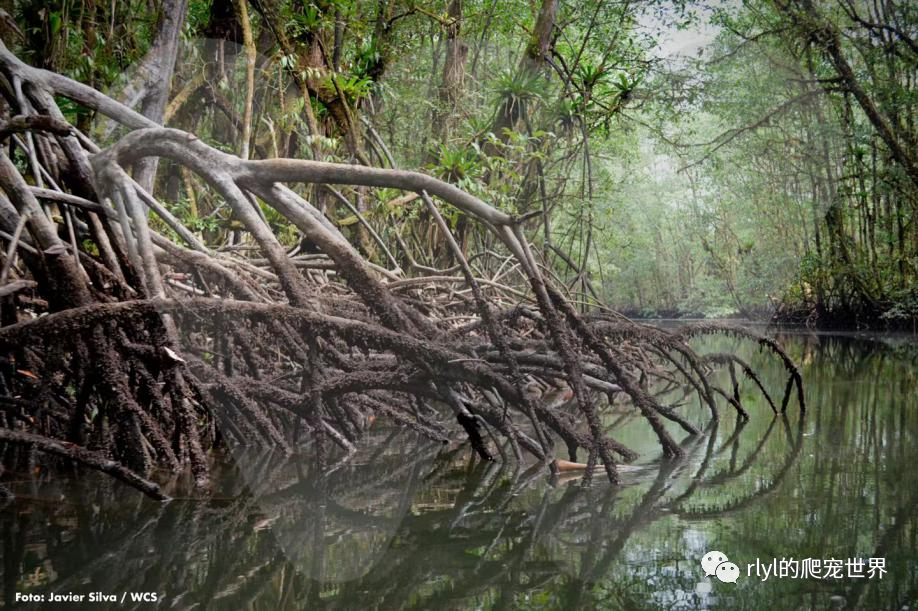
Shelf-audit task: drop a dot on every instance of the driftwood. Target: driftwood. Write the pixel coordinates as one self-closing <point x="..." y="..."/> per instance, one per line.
<point x="149" y="352"/>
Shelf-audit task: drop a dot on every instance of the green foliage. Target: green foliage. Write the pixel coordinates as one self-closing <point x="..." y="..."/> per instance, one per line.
<point x="355" y="87"/>
<point x="457" y="163"/>
<point x="516" y="88"/>
<point x="687" y="185"/>
<point x="904" y="308"/>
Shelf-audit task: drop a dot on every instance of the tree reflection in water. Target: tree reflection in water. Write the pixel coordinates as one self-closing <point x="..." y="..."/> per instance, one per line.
<point x="417" y="526"/>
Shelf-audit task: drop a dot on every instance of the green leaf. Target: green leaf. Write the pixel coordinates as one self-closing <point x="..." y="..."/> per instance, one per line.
<point x="54" y="22"/>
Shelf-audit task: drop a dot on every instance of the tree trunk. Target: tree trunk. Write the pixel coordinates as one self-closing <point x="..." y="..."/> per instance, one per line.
<point x="156" y="74"/>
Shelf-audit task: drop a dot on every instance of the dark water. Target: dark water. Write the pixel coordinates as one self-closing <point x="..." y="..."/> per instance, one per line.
<point x="418" y="526"/>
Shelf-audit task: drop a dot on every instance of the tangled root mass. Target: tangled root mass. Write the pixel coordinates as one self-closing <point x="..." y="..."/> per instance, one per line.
<point x="131" y="351"/>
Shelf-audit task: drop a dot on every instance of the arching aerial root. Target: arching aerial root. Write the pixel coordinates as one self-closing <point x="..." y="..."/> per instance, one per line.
<point x="129" y="352"/>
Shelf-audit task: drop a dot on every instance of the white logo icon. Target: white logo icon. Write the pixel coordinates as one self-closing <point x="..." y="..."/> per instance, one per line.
<point x="715" y="564"/>
<point x="727" y="572"/>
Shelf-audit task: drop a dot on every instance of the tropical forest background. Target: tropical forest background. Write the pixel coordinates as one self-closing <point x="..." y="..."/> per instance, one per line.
<point x="698" y="159"/>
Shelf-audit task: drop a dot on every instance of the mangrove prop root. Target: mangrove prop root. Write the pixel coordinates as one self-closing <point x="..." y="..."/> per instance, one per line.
<point x="124" y="350"/>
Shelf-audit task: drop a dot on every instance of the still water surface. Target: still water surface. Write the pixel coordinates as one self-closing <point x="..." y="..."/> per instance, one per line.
<point x="412" y="525"/>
